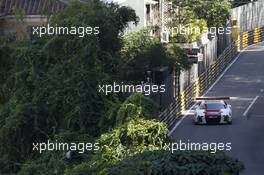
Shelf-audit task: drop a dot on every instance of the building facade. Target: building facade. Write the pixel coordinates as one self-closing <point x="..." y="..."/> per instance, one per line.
<point x="152" y="14"/>
<point x="17" y="17"/>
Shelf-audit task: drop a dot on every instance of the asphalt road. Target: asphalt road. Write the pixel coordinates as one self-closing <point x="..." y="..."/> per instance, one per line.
<point x="244" y="80"/>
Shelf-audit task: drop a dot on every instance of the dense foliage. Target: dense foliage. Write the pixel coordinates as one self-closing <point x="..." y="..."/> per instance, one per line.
<point x="4" y="67"/>
<point x="189" y="31"/>
<point x="199" y="14"/>
<point x="136" y="106"/>
<point x="141" y="53"/>
<point x="178" y="163"/>
<point x="49" y="163"/>
<point x="51" y="85"/>
<point x="136" y="136"/>
<point x="133" y="136"/>
<point x="216" y="12"/>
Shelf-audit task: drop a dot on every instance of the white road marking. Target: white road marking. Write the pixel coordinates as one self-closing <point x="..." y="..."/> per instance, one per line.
<point x="240" y="98"/>
<point x="180" y="121"/>
<point x="250" y="106"/>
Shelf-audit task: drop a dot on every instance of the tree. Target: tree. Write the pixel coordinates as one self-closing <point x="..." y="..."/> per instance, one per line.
<point x="142" y="52"/>
<point x="51" y="85"/>
<point x="135" y="136"/>
<point x="178" y="163"/>
<point x="216" y="13"/>
<point x="136" y="131"/>
<point x="188" y="32"/>
<point x="48" y="163"/>
<point x="135" y="106"/>
<point x="4" y="68"/>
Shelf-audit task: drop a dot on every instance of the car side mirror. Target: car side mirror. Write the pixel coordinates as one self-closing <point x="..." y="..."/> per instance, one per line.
<point x="229" y="106"/>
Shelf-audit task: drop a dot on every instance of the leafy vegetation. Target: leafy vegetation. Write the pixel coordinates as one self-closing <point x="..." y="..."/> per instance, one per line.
<point x="136" y="136"/>
<point x="50" y="86"/>
<point x="200" y="15"/>
<point x="216" y="13"/>
<point x="142" y="53"/>
<point x="49" y="163"/>
<point x="136" y="106"/>
<point x="178" y="163"/>
<point x="188" y="32"/>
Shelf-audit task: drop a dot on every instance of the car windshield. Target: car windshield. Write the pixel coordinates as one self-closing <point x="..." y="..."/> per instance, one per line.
<point x="215" y="106"/>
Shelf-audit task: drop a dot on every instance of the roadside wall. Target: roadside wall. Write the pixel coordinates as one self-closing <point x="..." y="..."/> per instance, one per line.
<point x="249" y="16"/>
<point x="210" y="50"/>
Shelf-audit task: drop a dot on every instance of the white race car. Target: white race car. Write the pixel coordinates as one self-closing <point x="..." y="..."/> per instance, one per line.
<point x="212" y="110"/>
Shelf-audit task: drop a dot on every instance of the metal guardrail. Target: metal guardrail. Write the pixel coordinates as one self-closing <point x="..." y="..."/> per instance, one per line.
<point x="206" y="79"/>
<point x="251" y="37"/>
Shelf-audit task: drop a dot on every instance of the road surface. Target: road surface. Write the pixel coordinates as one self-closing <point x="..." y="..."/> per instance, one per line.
<point x="244" y="80"/>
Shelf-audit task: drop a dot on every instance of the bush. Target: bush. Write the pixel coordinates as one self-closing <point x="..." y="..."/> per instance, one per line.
<point x="137" y="136"/>
<point x="137" y="105"/>
<point x="178" y="163"/>
<point x="191" y="31"/>
<point x="141" y="53"/>
<point x="49" y="163"/>
<point x="51" y="84"/>
<point x="4" y="68"/>
<point x="216" y="12"/>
